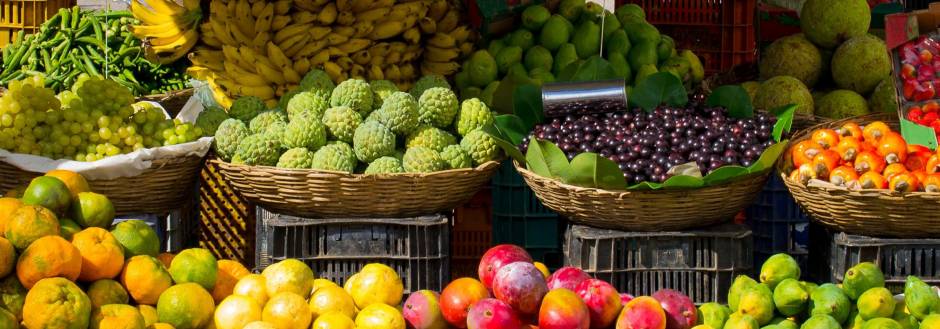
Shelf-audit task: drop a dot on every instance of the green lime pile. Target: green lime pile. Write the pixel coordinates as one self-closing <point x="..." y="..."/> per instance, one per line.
<point x="549" y="43"/>
<point x="360" y="127"/>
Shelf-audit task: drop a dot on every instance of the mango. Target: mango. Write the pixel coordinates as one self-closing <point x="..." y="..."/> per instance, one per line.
<point x="565" y="56"/>
<point x="555" y="33"/>
<point x="821" y="321"/>
<point x="642" y="53"/>
<point x="829" y="299"/>
<point x="757" y="301"/>
<point x="741" y="321"/>
<point x="533" y="17"/>
<point x="521" y="38"/>
<point x="790" y="297"/>
<point x="740" y="283"/>
<point x="620" y="66"/>
<point x="713" y="314"/>
<point x="881" y="323"/>
<point x="876" y="303"/>
<point x="538" y="57"/>
<point x="508" y="56"/>
<point x="587" y="39"/>
<point x="666" y="48"/>
<point x="617" y="43"/>
<point x="860" y="278"/>
<point x="642" y="32"/>
<point x="920" y="299"/>
<point x="777" y="268"/>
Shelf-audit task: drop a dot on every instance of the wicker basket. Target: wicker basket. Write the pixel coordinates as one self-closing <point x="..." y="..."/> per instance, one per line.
<point x="165" y="186"/>
<point x="172" y="101"/>
<point x="314" y="193"/>
<point x="881" y="213"/>
<point x="646" y="210"/>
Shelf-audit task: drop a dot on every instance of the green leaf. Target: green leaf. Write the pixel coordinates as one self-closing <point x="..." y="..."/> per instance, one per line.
<point x="592" y="69"/>
<point x="511" y="127"/>
<point x="645" y="186"/>
<point x="527" y="105"/>
<point x="503" y="142"/>
<point x="659" y="88"/>
<point x="724" y="174"/>
<point x="784" y="116"/>
<point x="547" y="160"/>
<point x="916" y="134"/>
<point x="592" y="170"/>
<point x="683" y="181"/>
<point x="768" y="157"/>
<point x="734" y="98"/>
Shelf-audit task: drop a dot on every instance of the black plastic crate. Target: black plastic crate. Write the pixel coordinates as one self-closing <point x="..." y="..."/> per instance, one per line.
<point x="512" y="197"/>
<point x="701" y="263"/>
<point x="897" y="258"/>
<point x="778" y="224"/>
<point x="417" y="248"/>
<point x="916" y="4"/>
<point x="520" y="218"/>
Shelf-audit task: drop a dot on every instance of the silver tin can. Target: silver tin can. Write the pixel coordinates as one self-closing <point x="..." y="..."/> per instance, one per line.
<point x="584" y="97"/>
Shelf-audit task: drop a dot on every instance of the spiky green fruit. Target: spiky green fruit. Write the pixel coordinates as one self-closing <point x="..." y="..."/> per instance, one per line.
<point x="430" y="137"/>
<point x="422" y="159"/>
<point x="354" y="93"/>
<point x="246" y="108"/>
<point x="474" y="114"/>
<point x="399" y="113"/>
<point x="341" y="122"/>
<point x="263" y="120"/>
<point x="319" y="82"/>
<point x="385" y="165"/>
<point x="258" y="150"/>
<point x="481" y="147"/>
<point x="228" y="136"/>
<point x="427" y="82"/>
<point x="373" y="140"/>
<point x="307" y="103"/>
<point x="209" y="120"/>
<point x="381" y="89"/>
<point x="437" y="106"/>
<point x="305" y="132"/>
<point x="337" y="156"/>
<point x="296" y="158"/>
<point x="456" y="157"/>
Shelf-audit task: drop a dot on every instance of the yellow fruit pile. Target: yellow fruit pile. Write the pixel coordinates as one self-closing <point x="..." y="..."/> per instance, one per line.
<point x="168" y="29"/>
<point x="263" y="49"/>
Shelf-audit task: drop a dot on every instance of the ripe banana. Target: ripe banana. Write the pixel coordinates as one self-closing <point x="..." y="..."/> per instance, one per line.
<point x="320" y="32"/>
<point x="271" y="73"/>
<point x="311" y="48"/>
<point x="211" y="59"/>
<point x="333" y="70"/>
<point x="407" y="72"/>
<point x="171" y="44"/>
<point x="387" y="29"/>
<point x="362" y="57"/>
<point x="373" y="15"/>
<point x="449" y="22"/>
<point x="392" y="72"/>
<point x="146" y="16"/>
<point x="162" y="30"/>
<point x="335" y="38"/>
<point x="441" y="55"/>
<point x="345" y="18"/>
<point x="257" y="7"/>
<point x="442" y="40"/>
<point x="166" y="7"/>
<point x="460" y="34"/>
<point x="412" y="35"/>
<point x="280" y="22"/>
<point x="346" y="31"/>
<point x="261" y="39"/>
<point x="428" y="25"/>
<point x="303" y="17"/>
<point x="328" y="14"/>
<point x="321" y="57"/>
<point x="302" y="65"/>
<point x="282" y="7"/>
<point x="439" y="68"/>
<point x="265" y="18"/>
<point x="290" y="31"/>
<point x="232" y="56"/>
<point x="277" y="56"/>
<point x="375" y="73"/>
<point x="296" y="47"/>
<point x="437" y="9"/>
<point x="363" y="29"/>
<point x="354" y="45"/>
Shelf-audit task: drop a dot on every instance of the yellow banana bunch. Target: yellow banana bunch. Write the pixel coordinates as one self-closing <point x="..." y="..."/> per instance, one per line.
<point x="169" y="29"/>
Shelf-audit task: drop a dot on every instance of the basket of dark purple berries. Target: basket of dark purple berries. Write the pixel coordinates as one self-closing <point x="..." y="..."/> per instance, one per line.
<point x="667" y="163"/>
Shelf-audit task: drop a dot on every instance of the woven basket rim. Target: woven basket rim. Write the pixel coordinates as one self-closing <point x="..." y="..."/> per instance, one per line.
<point x="486" y="166"/>
<point x="169" y="94"/>
<point x="782" y="164"/>
<point x="622" y="193"/>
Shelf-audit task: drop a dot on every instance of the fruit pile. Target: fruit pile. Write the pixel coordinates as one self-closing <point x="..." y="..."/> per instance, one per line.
<point x="75" y="42"/>
<point x="360" y="127"/>
<point x="262" y="49"/>
<point x="646" y="145"/>
<point x="548" y="44"/>
<point x="835" y="58"/>
<point x="919" y="69"/>
<point x="865" y="157"/>
<point x="95" y="119"/>
<point x="926" y="115"/>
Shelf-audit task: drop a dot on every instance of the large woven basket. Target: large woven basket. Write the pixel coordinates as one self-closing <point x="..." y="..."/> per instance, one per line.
<point x="172" y="101"/>
<point x="646" y="210"/>
<point x="882" y="213"/>
<point x="327" y="194"/>
<point x="160" y="189"/>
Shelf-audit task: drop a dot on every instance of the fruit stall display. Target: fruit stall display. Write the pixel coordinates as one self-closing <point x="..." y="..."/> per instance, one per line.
<point x="77" y="42"/>
<point x="833" y="70"/>
<point x="860" y="164"/>
<point x="917" y="77"/>
<point x="552" y="46"/>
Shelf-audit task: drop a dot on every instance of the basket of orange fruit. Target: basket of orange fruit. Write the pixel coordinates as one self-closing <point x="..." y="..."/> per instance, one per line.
<point x="860" y="176"/>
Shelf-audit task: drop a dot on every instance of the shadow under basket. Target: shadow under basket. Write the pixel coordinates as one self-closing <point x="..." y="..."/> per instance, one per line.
<point x="330" y="194"/>
<point x="871" y="212"/>
<point x="646" y="210"/>
<point x="160" y="189"/>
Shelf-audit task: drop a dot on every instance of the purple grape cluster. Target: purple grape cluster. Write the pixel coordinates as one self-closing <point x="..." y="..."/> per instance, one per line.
<point x="646" y="145"/>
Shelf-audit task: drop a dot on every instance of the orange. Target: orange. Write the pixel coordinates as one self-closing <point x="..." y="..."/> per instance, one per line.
<point x="332" y="299"/>
<point x="137" y="237"/>
<point x="252" y="286"/>
<point x="50" y="256"/>
<point x="56" y="303"/>
<point x="287" y="310"/>
<point x="288" y="275"/>
<point x="68" y="228"/>
<point x="195" y="265"/>
<point x="149" y="313"/>
<point x="166" y="258"/>
<point x="380" y="316"/>
<point x="230" y="272"/>
<point x="7" y="257"/>
<point x="186" y="306"/>
<point x="104" y="292"/>
<point x="7" y="207"/>
<point x="12" y="296"/>
<point x="333" y="321"/>
<point x="145" y="279"/>
<point x="49" y="192"/>
<point x="90" y="209"/>
<point x="117" y="316"/>
<point x="30" y="223"/>
<point x="235" y="312"/>
<point x="259" y="325"/>
<point x="72" y="180"/>
<point x="102" y="255"/>
<point x="160" y="325"/>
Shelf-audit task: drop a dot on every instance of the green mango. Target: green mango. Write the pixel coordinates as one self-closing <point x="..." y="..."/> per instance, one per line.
<point x="534" y="17"/>
<point x="641" y="54"/>
<point x="644" y="72"/>
<point x="665" y="48"/>
<point x="495" y="46"/>
<point x="862" y="277"/>
<point x="621" y="67"/>
<point x="877" y="302"/>
<point x="462" y="79"/>
<point x="855" y="322"/>
<point x="521" y="38"/>
<point x="507" y="57"/>
<point x="829" y="299"/>
<point x="758" y="302"/>
<point x="571" y="9"/>
<point x="611" y="24"/>
<point x="741" y="321"/>
<point x="470" y="92"/>
<point x="783" y="323"/>
<point x="587" y="39"/>
<point x="881" y="323"/>
<point x="592" y="11"/>
<point x="930" y="322"/>
<point x="555" y="33"/>
<point x="481" y="68"/>
<point x="630" y="13"/>
<point x="920" y="299"/>
<point x="900" y="315"/>
<point x="677" y="66"/>
<point x="642" y="32"/>
<point x="538" y="57"/>
<point x="790" y="298"/>
<point x="821" y="321"/>
<point x="698" y="71"/>
<point x="742" y="281"/>
<point x="777" y="268"/>
<point x="566" y="55"/>
<point x="618" y="42"/>
<point x="541" y="75"/>
<point x="518" y="72"/>
<point x="713" y="314"/>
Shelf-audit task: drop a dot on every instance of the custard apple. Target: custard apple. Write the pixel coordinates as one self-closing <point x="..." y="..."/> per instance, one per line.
<point x="276" y="131"/>
<point x="258" y="150"/>
<point x="341" y="122"/>
<point x="347" y="150"/>
<point x="430" y="137"/>
<point x="385" y="165"/>
<point x="298" y="157"/>
<point x="265" y="119"/>
<point x="473" y="115"/>
<point x="456" y="157"/>
<point x="427" y="82"/>
<point x="318" y="82"/>
<point x="335" y="157"/>
<point x="228" y="136"/>
<point x="381" y="89"/>
<point x="422" y="159"/>
<point x="480" y="146"/>
<point x="306" y="132"/>
<point x="438" y="107"/>
<point x="372" y="140"/>
<point x="246" y="108"/>
<point x="210" y="119"/>
<point x="306" y="103"/>
<point x="284" y="100"/>
<point x="354" y="93"/>
<point x="399" y="112"/>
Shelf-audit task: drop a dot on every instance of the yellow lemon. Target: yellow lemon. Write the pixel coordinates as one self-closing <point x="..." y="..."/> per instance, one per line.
<point x="380" y="316"/>
<point x="376" y="283"/>
<point x="289" y="275"/>
<point x="259" y="325"/>
<point x="333" y="321"/>
<point x="252" y="286"/>
<point x="234" y="312"/>
<point x="287" y="310"/>
<point x="332" y="299"/>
